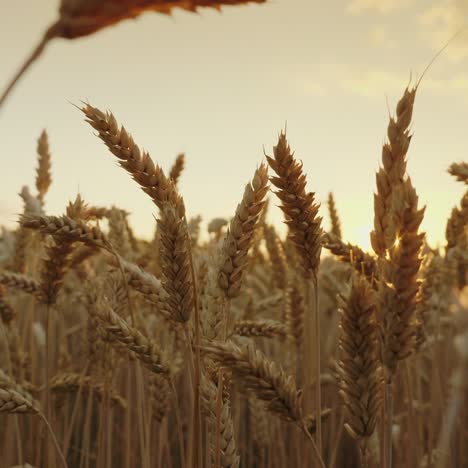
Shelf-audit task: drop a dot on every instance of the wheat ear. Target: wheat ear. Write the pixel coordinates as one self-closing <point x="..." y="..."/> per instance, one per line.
<point x="66" y="228"/>
<point x="361" y="261"/>
<point x="177" y="168"/>
<point x="391" y="175"/>
<point x="54" y="268"/>
<point x="457" y="222"/>
<point x="399" y="290"/>
<point x="176" y="261"/>
<point x="335" y="224"/>
<point x="459" y="171"/>
<point x="146" y="350"/>
<point x="238" y="239"/>
<point x="298" y="206"/>
<point x="222" y="430"/>
<point x="14" y="399"/>
<point x="139" y="164"/>
<point x="360" y="371"/>
<point x="64" y="383"/>
<point x="259" y="328"/>
<point x="20" y="282"/>
<point x="43" y="174"/>
<point x="264" y="379"/>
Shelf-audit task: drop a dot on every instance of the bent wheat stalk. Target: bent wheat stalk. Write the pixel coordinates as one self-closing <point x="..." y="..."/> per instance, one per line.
<point x="78" y="18"/>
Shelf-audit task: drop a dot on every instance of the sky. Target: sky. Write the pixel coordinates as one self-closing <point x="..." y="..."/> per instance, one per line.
<point x="221" y="86"/>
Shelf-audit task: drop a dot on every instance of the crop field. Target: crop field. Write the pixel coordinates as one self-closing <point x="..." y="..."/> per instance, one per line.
<point x="227" y="344"/>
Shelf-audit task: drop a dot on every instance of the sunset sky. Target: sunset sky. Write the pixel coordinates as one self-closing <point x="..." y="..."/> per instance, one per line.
<point x="220" y="87"/>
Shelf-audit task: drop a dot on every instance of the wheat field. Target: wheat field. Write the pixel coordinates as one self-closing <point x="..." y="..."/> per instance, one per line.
<point x="233" y="347"/>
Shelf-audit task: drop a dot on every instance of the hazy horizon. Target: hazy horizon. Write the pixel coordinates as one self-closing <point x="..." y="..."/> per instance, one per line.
<point x="220" y="87"/>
